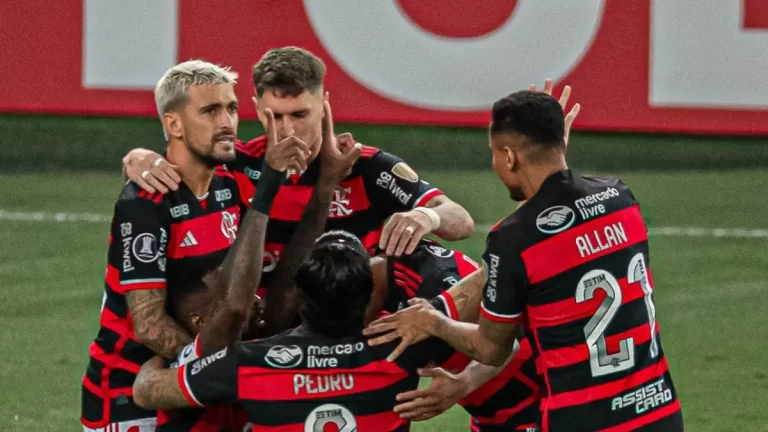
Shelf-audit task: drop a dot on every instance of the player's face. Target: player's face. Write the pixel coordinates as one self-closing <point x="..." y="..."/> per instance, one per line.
<point x="210" y="120"/>
<point x="505" y="164"/>
<point x="300" y="116"/>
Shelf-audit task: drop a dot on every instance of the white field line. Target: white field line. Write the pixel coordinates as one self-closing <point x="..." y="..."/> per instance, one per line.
<point x="669" y="231"/>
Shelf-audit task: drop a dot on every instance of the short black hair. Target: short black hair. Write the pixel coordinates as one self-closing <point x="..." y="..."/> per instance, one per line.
<point x="341" y="236"/>
<point x="334" y="286"/>
<point x="534" y="115"/>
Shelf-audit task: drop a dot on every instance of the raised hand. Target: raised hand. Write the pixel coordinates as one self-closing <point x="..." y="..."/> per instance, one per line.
<point x="564" y="96"/>
<point x="338" y="153"/>
<point x="289" y="154"/>
<point x="411" y="325"/>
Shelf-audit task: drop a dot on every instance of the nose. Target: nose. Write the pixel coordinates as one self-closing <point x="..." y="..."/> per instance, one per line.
<point x="288" y="128"/>
<point x="227" y="120"/>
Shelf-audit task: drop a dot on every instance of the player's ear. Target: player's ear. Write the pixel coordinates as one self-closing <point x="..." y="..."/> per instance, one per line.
<point x="262" y="117"/>
<point x="197" y="321"/>
<point x="172" y="125"/>
<point x="512" y="159"/>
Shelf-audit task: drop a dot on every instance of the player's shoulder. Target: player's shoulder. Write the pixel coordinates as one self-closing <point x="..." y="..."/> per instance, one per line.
<point x="132" y="195"/>
<point x="613" y="186"/>
<point x="283" y="350"/>
<point x="512" y="225"/>
<point x="223" y="171"/>
<point x="253" y="149"/>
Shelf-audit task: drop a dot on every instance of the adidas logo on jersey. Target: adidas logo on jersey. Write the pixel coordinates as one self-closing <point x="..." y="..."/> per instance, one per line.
<point x="189" y="240"/>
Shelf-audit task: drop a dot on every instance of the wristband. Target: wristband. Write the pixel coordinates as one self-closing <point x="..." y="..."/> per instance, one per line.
<point x="269" y="183"/>
<point x="432" y="215"/>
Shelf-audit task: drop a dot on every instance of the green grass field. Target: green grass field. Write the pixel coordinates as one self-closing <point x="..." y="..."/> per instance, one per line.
<point x="710" y="290"/>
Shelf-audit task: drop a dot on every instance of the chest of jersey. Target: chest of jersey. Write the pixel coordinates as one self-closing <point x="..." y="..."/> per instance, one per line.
<point x="348" y="198"/>
<point x="202" y="229"/>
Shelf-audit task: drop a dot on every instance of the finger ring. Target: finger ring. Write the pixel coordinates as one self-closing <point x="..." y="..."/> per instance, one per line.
<point x="158" y="161"/>
<point x="410" y="229"/>
<point x="144" y="174"/>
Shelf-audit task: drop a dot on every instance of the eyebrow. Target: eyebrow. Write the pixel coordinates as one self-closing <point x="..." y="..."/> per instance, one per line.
<point x="293" y="113"/>
<point x="216" y="105"/>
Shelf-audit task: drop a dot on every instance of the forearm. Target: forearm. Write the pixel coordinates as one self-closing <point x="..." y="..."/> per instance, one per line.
<point x="281" y="308"/>
<point x="242" y="273"/>
<point x="165" y="337"/>
<point x="152" y="325"/>
<point x="467" y="339"/>
<point x="242" y="269"/>
<point x="455" y="221"/>
<point x="157" y="388"/>
<point x="467" y="295"/>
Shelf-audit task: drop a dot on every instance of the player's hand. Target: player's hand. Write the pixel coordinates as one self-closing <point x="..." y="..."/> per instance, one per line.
<point x="150" y="171"/>
<point x="564" y="96"/>
<point x="403" y="232"/>
<point x="290" y="154"/>
<point x="444" y="391"/>
<point x="411" y="325"/>
<point x="338" y="153"/>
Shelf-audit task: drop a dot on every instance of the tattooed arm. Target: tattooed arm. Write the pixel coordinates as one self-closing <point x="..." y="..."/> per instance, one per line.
<point x="242" y="267"/>
<point x="337" y="157"/>
<point x="467" y="294"/>
<point x="488" y="342"/>
<point x="157" y="387"/>
<point x="152" y="325"/>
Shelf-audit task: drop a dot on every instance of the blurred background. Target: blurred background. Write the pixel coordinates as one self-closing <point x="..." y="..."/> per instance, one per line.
<point x="674" y="100"/>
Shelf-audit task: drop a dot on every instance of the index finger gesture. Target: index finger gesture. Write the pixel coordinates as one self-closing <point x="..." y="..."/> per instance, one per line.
<point x="270" y="129"/>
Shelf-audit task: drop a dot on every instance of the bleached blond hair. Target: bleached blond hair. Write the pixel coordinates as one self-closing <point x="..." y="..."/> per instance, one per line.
<point x="171" y="91"/>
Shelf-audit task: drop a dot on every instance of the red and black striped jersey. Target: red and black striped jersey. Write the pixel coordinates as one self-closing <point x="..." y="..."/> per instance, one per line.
<point x="572" y="265"/>
<point x="379" y="185"/>
<point x="156" y="242"/>
<point x="508" y="401"/>
<point x="209" y="419"/>
<point x="299" y="381"/>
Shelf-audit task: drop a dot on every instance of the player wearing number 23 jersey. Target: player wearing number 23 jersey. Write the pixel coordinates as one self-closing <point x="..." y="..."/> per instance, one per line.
<point x="572" y="264"/>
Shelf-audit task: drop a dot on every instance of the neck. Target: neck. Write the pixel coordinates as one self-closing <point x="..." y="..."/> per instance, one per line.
<point x="194" y="173"/>
<point x="340" y="332"/>
<point x="537" y="174"/>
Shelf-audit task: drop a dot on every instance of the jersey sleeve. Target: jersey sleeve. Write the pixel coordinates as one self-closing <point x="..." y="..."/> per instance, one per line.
<point x="138" y="246"/>
<point x="504" y="291"/>
<point x="427" y="273"/>
<point x="394" y="186"/>
<point x="211" y="379"/>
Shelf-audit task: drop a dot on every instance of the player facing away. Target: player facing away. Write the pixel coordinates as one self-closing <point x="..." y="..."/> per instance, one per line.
<point x="571" y="267"/>
<point x="381" y="186"/>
